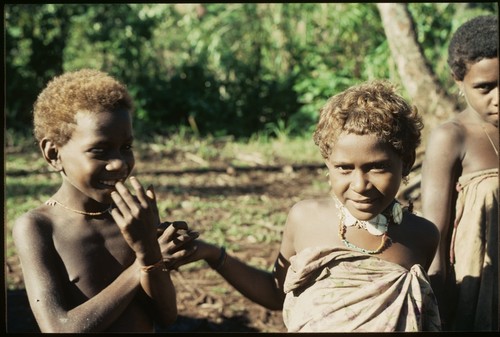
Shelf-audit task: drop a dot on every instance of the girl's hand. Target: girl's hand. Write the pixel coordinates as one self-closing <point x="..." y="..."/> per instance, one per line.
<point x="199" y="250"/>
<point x="176" y="242"/>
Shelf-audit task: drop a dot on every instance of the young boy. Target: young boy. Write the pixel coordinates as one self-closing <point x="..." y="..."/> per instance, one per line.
<point x="460" y="184"/>
<point x="355" y="260"/>
<point x="91" y="257"/>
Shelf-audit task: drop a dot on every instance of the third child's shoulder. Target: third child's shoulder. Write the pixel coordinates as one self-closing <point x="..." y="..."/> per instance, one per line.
<point x="449" y="136"/>
<point x="453" y="128"/>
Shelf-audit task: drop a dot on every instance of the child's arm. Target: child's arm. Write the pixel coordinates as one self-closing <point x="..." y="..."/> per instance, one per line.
<point x="44" y="275"/>
<point x="439" y="176"/>
<point x="137" y="217"/>
<point x="440" y="171"/>
<point x="261" y="286"/>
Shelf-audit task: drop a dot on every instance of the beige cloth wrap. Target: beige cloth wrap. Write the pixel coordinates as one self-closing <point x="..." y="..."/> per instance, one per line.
<point x="342" y="290"/>
<point x="474" y="250"/>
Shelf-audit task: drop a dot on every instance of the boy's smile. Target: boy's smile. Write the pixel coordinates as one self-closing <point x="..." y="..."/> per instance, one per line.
<point x="99" y="153"/>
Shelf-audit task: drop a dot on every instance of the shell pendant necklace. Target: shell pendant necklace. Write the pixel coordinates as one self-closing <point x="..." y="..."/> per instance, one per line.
<point x="377" y="226"/>
<point x="53" y="202"/>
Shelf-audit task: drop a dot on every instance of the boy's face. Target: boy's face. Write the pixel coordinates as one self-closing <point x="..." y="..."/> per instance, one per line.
<point x="480" y="87"/>
<point x="99" y="153"/>
<point x="365" y="174"/>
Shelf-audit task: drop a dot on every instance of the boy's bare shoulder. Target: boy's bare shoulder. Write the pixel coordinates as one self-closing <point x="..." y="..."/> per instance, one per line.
<point x="32" y="222"/>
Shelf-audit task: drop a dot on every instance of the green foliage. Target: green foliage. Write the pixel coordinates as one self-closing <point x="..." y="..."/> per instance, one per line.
<point x="435" y="25"/>
<point x="217" y="69"/>
<point x="35" y="39"/>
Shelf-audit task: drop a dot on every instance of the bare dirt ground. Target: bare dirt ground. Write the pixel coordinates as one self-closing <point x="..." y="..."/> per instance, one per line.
<point x="206" y="303"/>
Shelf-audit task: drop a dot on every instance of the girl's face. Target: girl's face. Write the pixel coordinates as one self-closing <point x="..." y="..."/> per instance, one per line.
<point x="98" y="154"/>
<point x="365" y="174"/>
<point x="480" y="87"/>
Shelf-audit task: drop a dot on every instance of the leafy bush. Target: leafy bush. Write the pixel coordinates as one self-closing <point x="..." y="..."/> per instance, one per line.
<point x="217" y="69"/>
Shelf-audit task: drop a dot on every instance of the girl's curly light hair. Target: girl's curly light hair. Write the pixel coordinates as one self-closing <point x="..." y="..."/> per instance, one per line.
<point x="372" y="107"/>
<point x="64" y="96"/>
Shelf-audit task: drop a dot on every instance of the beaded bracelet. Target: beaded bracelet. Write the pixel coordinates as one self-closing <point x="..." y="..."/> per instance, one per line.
<point x="222" y="259"/>
<point x="151" y="267"/>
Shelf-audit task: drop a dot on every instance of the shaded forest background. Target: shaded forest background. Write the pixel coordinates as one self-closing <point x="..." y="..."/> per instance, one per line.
<point x="231" y="69"/>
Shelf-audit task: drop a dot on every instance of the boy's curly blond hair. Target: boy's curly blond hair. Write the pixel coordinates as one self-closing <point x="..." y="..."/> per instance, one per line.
<point x="372" y="107"/>
<point x="64" y="96"/>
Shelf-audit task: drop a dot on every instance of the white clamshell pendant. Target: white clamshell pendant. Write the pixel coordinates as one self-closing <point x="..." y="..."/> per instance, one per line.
<point x="377" y="226"/>
<point x="397" y="213"/>
<point x="349" y="219"/>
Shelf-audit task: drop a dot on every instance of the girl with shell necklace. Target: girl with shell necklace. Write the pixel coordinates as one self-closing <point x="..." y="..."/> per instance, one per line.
<point x="355" y="260"/>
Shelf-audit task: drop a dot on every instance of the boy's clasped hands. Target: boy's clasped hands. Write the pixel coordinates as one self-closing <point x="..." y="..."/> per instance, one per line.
<point x="139" y="221"/>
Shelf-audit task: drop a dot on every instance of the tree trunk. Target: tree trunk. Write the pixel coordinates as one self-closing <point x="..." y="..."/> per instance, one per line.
<point x="416" y="75"/>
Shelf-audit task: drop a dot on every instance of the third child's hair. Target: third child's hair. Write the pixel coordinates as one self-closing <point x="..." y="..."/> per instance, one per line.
<point x="475" y="40"/>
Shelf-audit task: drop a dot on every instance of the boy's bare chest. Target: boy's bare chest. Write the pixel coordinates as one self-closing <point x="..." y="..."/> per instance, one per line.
<point x="93" y="253"/>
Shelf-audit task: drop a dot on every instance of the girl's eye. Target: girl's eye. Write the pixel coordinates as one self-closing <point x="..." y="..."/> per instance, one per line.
<point x="379" y="167"/>
<point x="485" y="88"/>
<point x="343" y="168"/>
<point x="97" y="151"/>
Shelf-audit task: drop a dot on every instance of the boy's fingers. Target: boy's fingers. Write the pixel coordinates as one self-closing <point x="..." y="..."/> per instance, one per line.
<point x="180" y="225"/>
<point x="181" y="240"/>
<point x="164" y="225"/>
<point x="150" y="192"/>
<point x="117" y="215"/>
<point x="140" y="192"/>
<point x="123" y="197"/>
<point x="186" y="238"/>
<point x="118" y="201"/>
<point x="177" y="227"/>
